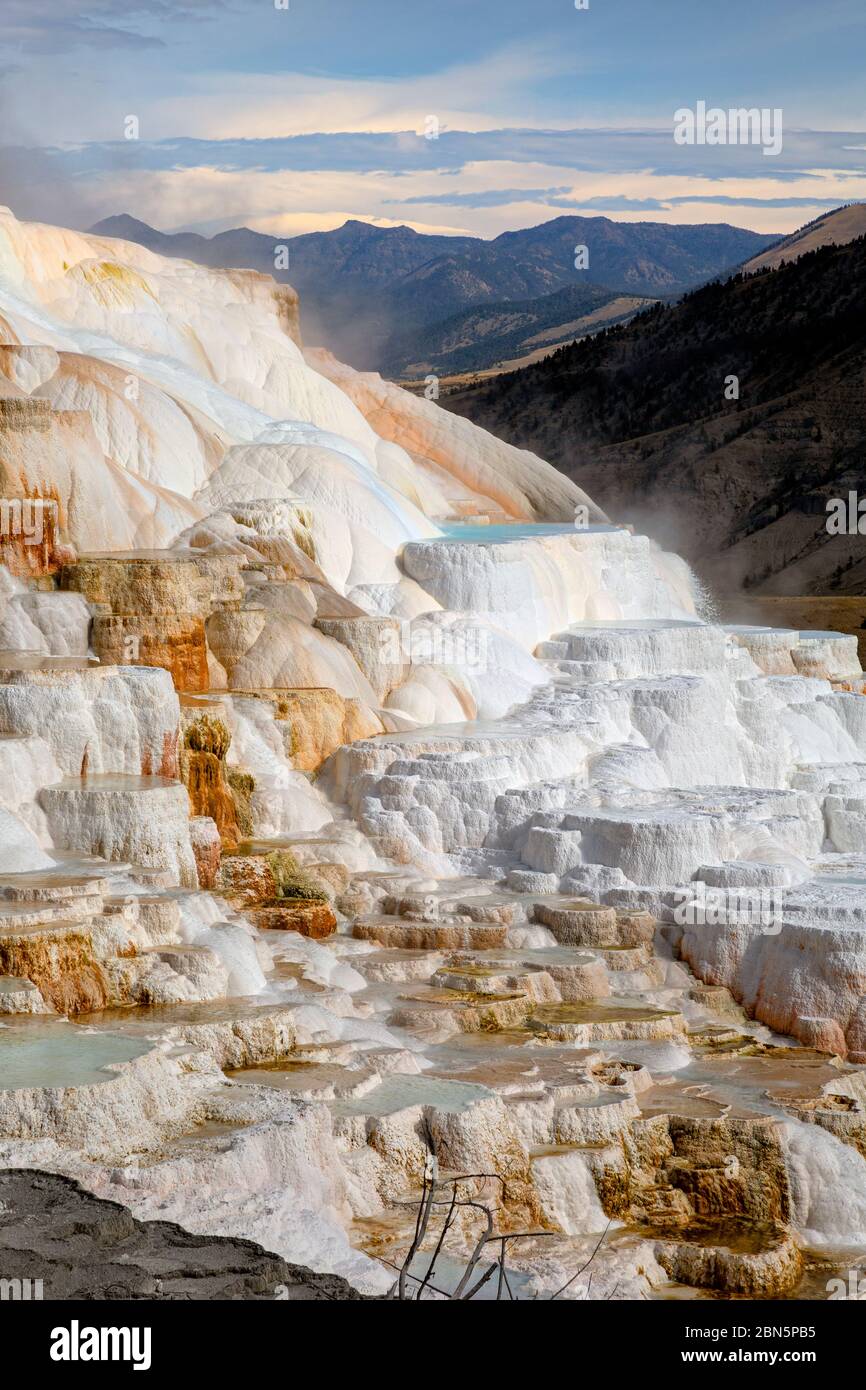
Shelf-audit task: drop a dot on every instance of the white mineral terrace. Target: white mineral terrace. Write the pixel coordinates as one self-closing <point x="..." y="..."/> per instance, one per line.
<point x="355" y="805"/>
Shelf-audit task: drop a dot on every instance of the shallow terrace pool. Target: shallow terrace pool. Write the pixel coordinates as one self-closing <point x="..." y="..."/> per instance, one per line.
<point x="520" y="530"/>
<point x="53" y="1054"/>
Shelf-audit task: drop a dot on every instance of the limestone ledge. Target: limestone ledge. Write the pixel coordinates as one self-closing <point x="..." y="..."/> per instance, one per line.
<point x="143" y="820"/>
<point x="315" y="723"/>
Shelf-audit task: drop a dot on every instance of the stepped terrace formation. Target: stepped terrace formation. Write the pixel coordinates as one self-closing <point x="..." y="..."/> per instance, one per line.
<point x="372" y="802"/>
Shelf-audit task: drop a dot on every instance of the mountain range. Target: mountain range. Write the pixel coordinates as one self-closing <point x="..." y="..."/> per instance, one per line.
<point x="723" y="424"/>
<point x="373" y="294"/>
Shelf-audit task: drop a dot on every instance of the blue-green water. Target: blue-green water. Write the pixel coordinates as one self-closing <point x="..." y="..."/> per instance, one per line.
<point x="50" y="1053"/>
<point x="520" y="530"/>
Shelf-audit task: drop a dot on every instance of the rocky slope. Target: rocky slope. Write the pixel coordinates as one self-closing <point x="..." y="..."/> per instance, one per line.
<point x="77" y="1246"/>
<point x="835" y="228"/>
<point x="645" y="417"/>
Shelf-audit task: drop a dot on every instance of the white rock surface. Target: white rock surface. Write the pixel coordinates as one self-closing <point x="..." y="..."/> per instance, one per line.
<point x="144" y="820"/>
<point x="559" y="720"/>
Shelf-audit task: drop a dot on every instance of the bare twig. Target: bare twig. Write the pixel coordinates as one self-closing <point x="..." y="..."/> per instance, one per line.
<point x="414" y="1277"/>
<point x="479" y="1246"/>
<point x="441" y="1241"/>
<point x="425" y="1211"/>
<point x="465" y="1289"/>
<point x="586" y="1266"/>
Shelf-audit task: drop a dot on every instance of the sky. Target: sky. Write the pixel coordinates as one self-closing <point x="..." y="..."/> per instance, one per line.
<point x="294" y="115"/>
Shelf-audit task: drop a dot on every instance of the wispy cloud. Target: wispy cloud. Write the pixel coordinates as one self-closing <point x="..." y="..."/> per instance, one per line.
<point x="592" y="151"/>
<point x="56" y="26"/>
<point x="484" y="181"/>
<point x="565" y="199"/>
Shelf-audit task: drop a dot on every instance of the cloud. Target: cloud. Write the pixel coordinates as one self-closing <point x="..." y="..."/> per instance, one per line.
<point x="593" y="151"/>
<point x="498" y="179"/>
<point x="56" y="26"/>
<point x="491" y="91"/>
<point x="744" y="202"/>
<point x="287" y="187"/>
<point x="565" y="198"/>
<point x="483" y="198"/>
<point x="730" y="200"/>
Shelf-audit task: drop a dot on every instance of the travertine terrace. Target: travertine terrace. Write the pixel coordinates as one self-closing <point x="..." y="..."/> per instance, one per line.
<point x="366" y="792"/>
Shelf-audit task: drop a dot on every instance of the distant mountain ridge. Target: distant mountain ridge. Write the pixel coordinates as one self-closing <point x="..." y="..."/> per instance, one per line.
<point x="360" y="285"/>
